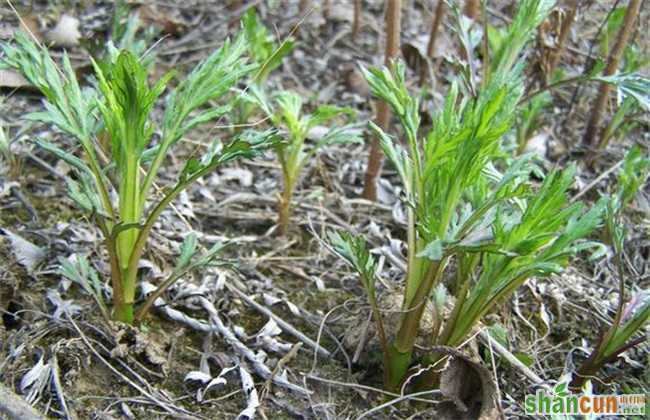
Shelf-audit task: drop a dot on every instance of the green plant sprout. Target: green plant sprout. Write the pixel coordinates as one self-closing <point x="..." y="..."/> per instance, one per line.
<point x="128" y="33"/>
<point x="294" y="153"/>
<point x="623" y="121"/>
<point x="121" y="105"/>
<point x="530" y="120"/>
<point x="10" y="156"/>
<point x="461" y="208"/>
<point x="266" y="53"/>
<point x="630" y="318"/>
<point x="262" y="48"/>
<point x="6" y="153"/>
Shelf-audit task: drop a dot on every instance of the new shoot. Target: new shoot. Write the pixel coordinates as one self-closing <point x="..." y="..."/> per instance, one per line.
<point x="632" y="314"/>
<point x="467" y="207"/>
<point x="300" y="128"/>
<point x="116" y="186"/>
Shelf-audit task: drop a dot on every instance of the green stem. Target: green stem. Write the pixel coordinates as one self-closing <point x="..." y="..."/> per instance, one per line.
<point x="155" y="165"/>
<point x="412" y="265"/>
<point x="124" y="312"/>
<point x="397" y="368"/>
<point x="401" y="350"/>
<point x="130" y="276"/>
<point x="129" y="208"/>
<point x="284" y="206"/>
<point x="461" y="297"/>
<point x="116" y="274"/>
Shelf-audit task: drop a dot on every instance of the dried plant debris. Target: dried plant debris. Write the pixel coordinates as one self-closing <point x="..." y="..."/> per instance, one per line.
<point x="26" y="253"/>
<point x="469" y="387"/>
<point x="65" y="33"/>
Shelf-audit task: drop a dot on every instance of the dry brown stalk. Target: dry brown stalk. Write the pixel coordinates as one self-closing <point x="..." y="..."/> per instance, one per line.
<point x="472" y="9"/>
<point x="358" y="18"/>
<point x="565" y="29"/>
<point x="624" y="35"/>
<point x="327" y="9"/>
<point x="375" y="160"/>
<point x="438" y="16"/>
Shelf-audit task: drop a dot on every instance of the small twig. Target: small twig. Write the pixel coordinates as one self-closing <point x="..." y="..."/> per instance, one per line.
<point x="376" y="156"/>
<point x="259" y="367"/>
<point x="596" y="181"/>
<point x="320" y="333"/>
<point x="396" y="400"/>
<point x="553" y="86"/>
<point x="278" y="369"/>
<point x="285" y="326"/>
<point x="363" y="339"/>
<point x="46" y="166"/>
<point x="492" y="344"/>
<point x="25" y="202"/>
<point x="505" y="353"/>
<point x="357" y="22"/>
<point x="364" y="387"/>
<point x="588" y="62"/>
<point x="56" y="383"/>
<point x="622" y="39"/>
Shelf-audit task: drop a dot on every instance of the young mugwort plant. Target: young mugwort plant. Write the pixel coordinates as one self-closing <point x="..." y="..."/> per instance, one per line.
<point x="631" y="317"/>
<point x="266" y="53"/>
<point x="467" y="207"/>
<point x="121" y="104"/>
<point x="294" y="153"/>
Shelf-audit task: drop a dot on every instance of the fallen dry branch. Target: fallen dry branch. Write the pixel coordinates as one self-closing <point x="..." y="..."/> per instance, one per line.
<point x="217" y="325"/>
<point x="15" y="408"/>
<point x="506" y="354"/>
<point x="285" y="326"/>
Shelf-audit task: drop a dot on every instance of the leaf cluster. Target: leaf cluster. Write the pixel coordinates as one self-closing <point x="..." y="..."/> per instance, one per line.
<point x="286" y="112"/>
<point x="469" y="202"/>
<point x="262" y="46"/>
<point x="119" y="107"/>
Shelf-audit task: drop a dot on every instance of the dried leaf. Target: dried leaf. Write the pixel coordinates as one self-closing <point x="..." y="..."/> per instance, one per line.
<point x="12" y="79"/>
<point x="198" y="376"/>
<point x="66" y="32"/>
<point x="243" y="176"/>
<point x="35" y="380"/>
<point x="469" y="387"/>
<point x="62" y="306"/>
<point x="252" y="399"/>
<point x="27" y="254"/>
<point x="355" y="82"/>
<point x="152" y="15"/>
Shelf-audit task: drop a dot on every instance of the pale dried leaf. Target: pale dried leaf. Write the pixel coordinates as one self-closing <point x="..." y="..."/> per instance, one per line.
<point x="198" y="376"/>
<point x="66" y="32"/>
<point x="252" y="399"/>
<point x="61" y="305"/>
<point x="469" y="387"/>
<point x="538" y="144"/>
<point x="243" y="176"/>
<point x="35" y="380"/>
<point x="12" y="79"/>
<point x="27" y="254"/>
